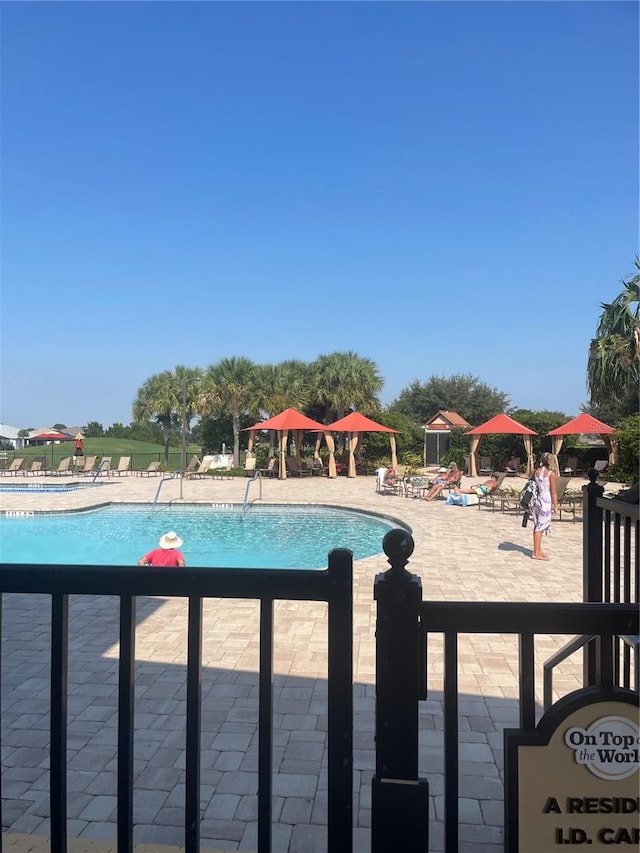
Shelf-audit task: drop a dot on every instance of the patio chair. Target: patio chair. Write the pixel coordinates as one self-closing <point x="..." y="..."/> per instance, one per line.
<point x="364" y="470"/>
<point x="317" y="467"/>
<point x="35" y="468"/>
<point x="512" y="468"/>
<point x="397" y="487"/>
<point x="500" y="499"/>
<point x="201" y="470"/>
<point x="250" y="466"/>
<point x="485" y="465"/>
<point x="295" y="469"/>
<point x="561" y="486"/>
<point x="453" y="483"/>
<point x="89" y="466"/>
<point x="193" y="464"/>
<point x="124" y="464"/>
<point x="63" y="467"/>
<point x="270" y="470"/>
<point x="571" y="467"/>
<point x="14" y="467"/>
<point x="570" y="504"/>
<point x="153" y="469"/>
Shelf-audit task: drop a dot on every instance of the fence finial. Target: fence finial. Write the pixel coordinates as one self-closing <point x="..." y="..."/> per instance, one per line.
<point x="398" y="545"/>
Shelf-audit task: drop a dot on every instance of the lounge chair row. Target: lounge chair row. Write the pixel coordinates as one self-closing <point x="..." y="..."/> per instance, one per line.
<point x="80" y="466"/>
<point x="308" y="468"/>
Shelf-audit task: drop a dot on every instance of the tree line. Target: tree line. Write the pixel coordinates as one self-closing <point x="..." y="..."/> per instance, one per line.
<point x="236" y="392"/>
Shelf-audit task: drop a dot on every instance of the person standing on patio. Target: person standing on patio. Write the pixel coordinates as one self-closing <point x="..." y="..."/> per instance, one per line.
<point x="545" y="504"/>
<point x="166" y="554"/>
<point x="79" y="448"/>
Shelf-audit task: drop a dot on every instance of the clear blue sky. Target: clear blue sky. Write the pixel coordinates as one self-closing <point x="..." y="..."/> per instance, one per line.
<point x="441" y="187"/>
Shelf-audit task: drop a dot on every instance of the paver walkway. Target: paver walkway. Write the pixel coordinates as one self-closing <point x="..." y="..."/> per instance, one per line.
<point x="461" y="553"/>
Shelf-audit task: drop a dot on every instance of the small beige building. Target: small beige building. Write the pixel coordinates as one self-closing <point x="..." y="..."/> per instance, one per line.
<point x="437" y="435"/>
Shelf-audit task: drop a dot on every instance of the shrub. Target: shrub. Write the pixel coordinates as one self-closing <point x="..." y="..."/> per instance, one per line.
<point x="626" y="471"/>
<point x="454" y="455"/>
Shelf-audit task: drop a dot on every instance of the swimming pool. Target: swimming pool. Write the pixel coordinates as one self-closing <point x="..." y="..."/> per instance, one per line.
<point x="267" y="536"/>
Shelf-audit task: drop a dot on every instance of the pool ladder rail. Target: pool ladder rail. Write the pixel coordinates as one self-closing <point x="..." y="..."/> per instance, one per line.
<point x="246" y="504"/>
<point x="104" y="465"/>
<point x="164" y="480"/>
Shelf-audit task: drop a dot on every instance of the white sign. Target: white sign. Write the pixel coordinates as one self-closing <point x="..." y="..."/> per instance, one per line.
<point x="609" y="747"/>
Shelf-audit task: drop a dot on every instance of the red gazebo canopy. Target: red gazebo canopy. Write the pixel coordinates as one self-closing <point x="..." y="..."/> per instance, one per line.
<point x="355" y="423"/>
<point x="588" y="425"/>
<point x="583" y="424"/>
<point x="501" y="424"/>
<point x="288" y="420"/>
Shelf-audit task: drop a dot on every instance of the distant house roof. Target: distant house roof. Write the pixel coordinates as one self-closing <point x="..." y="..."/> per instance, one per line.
<point x="8" y="432"/>
<point x="73" y="430"/>
<point x="446" y="421"/>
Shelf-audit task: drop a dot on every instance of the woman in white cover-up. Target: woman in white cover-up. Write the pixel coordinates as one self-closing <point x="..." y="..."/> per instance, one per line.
<point x="545" y="504"/>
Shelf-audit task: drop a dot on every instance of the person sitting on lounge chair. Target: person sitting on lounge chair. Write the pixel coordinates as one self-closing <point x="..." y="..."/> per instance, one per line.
<point x="390" y="477"/>
<point x="482" y="489"/>
<point x="452" y="477"/>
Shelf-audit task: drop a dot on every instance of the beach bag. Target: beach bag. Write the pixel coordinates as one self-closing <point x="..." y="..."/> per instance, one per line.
<point x="529" y="494"/>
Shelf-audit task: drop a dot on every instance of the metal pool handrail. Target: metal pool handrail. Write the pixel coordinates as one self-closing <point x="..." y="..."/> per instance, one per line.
<point x="99" y="470"/>
<point x="256" y="476"/>
<point x="171" y="476"/>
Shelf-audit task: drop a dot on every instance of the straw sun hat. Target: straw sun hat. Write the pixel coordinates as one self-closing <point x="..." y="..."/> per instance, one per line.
<point x="170" y="540"/>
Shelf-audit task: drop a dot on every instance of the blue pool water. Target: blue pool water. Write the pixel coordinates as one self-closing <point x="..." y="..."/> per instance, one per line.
<point x="277" y="537"/>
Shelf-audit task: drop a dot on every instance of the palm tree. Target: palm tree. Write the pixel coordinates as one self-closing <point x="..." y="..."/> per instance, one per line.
<point x="156" y="400"/>
<point x="282" y="386"/>
<point x="614" y="354"/>
<point x="344" y="381"/>
<point x="187" y="402"/>
<point x="231" y="387"/>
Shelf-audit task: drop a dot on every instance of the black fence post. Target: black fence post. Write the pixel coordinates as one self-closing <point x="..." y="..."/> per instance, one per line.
<point x="400" y="800"/>
<point x="340" y="703"/>
<point x="591" y="563"/>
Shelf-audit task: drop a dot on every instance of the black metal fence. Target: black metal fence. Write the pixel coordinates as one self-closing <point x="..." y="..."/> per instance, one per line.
<point x="606" y="625"/>
<point x="334" y="586"/>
